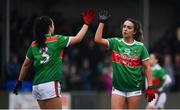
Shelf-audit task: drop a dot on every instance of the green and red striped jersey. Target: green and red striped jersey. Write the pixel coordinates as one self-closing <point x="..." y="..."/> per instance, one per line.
<point x="127" y="64"/>
<point x="157" y="73"/>
<point x="47" y="62"/>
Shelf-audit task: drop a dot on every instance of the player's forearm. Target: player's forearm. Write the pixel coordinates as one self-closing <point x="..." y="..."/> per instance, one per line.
<point x="22" y="73"/>
<point x="24" y="69"/>
<point x="148" y="75"/>
<point x="81" y="33"/>
<point x="99" y="32"/>
<point x="167" y="80"/>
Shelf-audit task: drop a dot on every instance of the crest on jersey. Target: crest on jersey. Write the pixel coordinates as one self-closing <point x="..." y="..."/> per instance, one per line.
<point x="135" y="53"/>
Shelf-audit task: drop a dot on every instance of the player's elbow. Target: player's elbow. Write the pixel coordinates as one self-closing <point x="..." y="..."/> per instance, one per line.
<point x="168" y="79"/>
<point x="77" y="39"/>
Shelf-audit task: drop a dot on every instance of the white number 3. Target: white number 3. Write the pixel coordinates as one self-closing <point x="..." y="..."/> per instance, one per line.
<point x="45" y="55"/>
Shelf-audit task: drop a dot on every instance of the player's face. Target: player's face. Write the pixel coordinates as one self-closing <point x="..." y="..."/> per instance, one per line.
<point x="152" y="60"/>
<point x="128" y="29"/>
<point x="52" y="28"/>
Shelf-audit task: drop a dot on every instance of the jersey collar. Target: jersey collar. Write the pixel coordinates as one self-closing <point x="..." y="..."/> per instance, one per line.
<point x="47" y="36"/>
<point x="128" y="43"/>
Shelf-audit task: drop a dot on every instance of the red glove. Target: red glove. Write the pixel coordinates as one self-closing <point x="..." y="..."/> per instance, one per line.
<point x="18" y="85"/>
<point x="150" y="94"/>
<point x="88" y="16"/>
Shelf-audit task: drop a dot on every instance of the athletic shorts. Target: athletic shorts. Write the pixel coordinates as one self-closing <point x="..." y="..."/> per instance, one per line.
<point x="159" y="101"/>
<point x="127" y="94"/>
<point x="47" y="90"/>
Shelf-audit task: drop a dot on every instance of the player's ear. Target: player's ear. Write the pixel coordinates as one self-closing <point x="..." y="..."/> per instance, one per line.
<point x="50" y="28"/>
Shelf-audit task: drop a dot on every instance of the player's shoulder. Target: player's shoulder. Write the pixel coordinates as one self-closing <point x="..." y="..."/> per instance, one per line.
<point x="57" y="35"/>
<point x="60" y="36"/>
<point x="158" y="67"/>
<point x="117" y="39"/>
<point x="33" y="43"/>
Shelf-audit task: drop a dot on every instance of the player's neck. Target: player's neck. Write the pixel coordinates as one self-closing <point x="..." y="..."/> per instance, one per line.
<point x="128" y="40"/>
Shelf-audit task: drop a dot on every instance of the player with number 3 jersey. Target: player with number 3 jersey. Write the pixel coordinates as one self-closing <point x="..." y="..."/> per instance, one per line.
<point x="46" y="60"/>
<point x="44" y="55"/>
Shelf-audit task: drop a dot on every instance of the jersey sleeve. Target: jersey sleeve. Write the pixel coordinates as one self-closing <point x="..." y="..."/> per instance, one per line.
<point x="29" y="53"/>
<point x="63" y="41"/>
<point x="144" y="54"/>
<point x="111" y="43"/>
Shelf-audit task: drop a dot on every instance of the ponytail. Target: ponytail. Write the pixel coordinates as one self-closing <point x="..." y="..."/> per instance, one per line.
<point x="41" y="28"/>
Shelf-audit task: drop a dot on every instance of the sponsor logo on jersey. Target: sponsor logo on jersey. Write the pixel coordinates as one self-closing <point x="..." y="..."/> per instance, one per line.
<point x="125" y="60"/>
<point x="127" y="51"/>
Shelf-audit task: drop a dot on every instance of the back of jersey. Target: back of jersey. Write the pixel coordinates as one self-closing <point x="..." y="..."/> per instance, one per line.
<point x="47" y="61"/>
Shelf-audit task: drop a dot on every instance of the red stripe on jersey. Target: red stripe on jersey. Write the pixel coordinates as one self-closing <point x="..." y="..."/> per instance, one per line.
<point x="52" y="39"/>
<point x="126" y="60"/>
<point x="156" y="81"/>
<point x="56" y="88"/>
<point x="34" y="43"/>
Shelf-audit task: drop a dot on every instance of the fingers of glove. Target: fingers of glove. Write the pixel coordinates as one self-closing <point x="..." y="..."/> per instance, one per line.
<point x="102" y="13"/>
<point x="15" y="91"/>
<point x="109" y="15"/>
<point x="84" y="14"/>
<point x="19" y="85"/>
<point x="90" y="12"/>
<point x="149" y="100"/>
<point x="106" y="13"/>
<point x="153" y="96"/>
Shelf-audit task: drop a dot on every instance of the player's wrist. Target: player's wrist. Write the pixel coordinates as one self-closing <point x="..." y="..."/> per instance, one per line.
<point x="86" y="24"/>
<point x="150" y="87"/>
<point x="102" y="21"/>
<point x="150" y="84"/>
<point x="20" y="81"/>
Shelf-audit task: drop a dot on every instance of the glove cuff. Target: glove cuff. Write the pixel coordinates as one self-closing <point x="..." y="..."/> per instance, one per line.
<point x="19" y="81"/>
<point x="150" y="87"/>
<point x="102" y="21"/>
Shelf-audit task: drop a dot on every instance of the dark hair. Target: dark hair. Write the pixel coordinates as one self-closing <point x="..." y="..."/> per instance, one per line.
<point x="137" y="28"/>
<point x="159" y="57"/>
<point x="41" y="28"/>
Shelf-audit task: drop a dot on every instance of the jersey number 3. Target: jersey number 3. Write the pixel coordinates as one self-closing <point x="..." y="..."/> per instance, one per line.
<point x="45" y="56"/>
